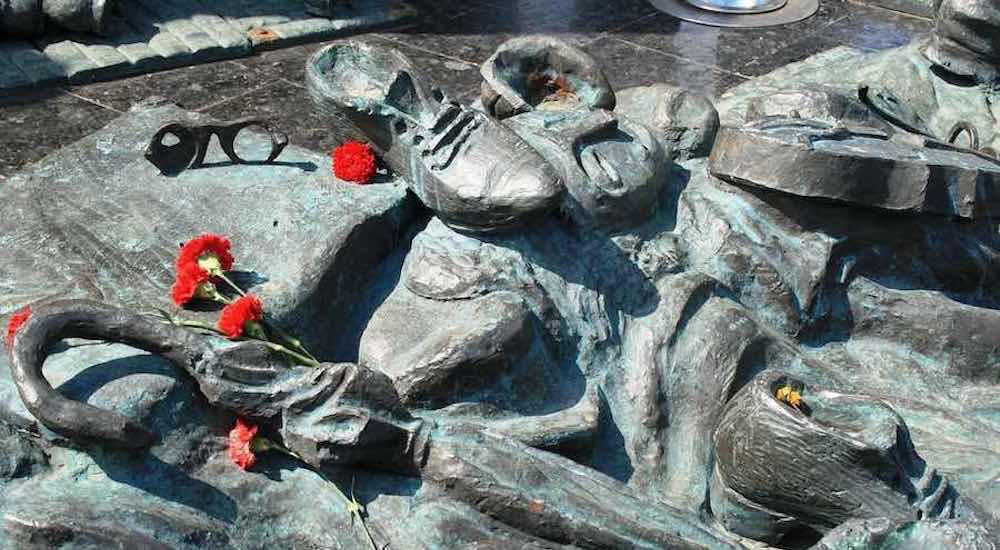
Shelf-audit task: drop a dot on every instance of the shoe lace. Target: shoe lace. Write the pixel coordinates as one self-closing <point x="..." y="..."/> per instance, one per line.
<point x="452" y="126"/>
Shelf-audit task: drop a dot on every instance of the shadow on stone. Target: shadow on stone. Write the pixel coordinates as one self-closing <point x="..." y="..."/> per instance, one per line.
<point x="384" y="280"/>
<point x="167" y="481"/>
<point x="364" y="485"/>
<point x="609" y="456"/>
<point x="85" y="383"/>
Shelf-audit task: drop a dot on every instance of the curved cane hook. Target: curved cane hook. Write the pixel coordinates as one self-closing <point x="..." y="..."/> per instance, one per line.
<point x="96" y="321"/>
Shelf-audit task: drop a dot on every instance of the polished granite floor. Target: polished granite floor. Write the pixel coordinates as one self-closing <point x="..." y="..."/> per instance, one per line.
<point x="635" y="43"/>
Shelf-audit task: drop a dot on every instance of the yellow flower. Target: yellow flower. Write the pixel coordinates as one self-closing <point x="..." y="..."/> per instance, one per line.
<point x="206" y="291"/>
<point x="787" y="394"/>
<point x="210" y="262"/>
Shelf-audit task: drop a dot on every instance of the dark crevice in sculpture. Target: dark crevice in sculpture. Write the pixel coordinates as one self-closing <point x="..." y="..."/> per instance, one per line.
<point x="366" y="246"/>
<point x="608" y="454"/>
<point x="800" y="537"/>
<point x="963" y="81"/>
<point x="383" y="279"/>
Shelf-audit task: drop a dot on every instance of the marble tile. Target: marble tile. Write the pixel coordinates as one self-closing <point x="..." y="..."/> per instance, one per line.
<point x="864" y="28"/>
<point x="791" y="53"/>
<point x="190" y="87"/>
<point x="36" y="123"/>
<point x="922" y="8"/>
<point x="629" y="65"/>
<point x="286" y="63"/>
<point x="474" y="36"/>
<point x="288" y="108"/>
<point x="436" y="10"/>
<point x="871" y="28"/>
<point x="733" y="50"/>
<point x="562" y="16"/>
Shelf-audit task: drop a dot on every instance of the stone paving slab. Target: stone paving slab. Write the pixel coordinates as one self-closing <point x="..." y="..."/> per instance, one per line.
<point x="151" y="35"/>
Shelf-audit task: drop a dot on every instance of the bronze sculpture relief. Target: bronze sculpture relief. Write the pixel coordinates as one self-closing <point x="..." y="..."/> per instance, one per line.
<point x="582" y="330"/>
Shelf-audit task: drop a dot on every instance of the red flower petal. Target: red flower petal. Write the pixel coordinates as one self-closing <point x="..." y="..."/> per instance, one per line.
<point x="354" y="161"/>
<point x="240" y="439"/>
<point x="205" y="244"/>
<point x="186" y="284"/>
<point x="235" y="315"/>
<point x="14" y="324"/>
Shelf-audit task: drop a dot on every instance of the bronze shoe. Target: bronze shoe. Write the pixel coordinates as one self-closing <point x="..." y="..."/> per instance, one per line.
<point x="614" y="168"/>
<point x="542" y="73"/>
<point x="476" y="175"/>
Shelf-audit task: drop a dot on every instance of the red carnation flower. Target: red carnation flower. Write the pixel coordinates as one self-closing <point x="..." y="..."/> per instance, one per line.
<point x="209" y="252"/>
<point x="241" y="439"/>
<point x="354" y="161"/>
<point x="191" y="282"/>
<point x="241" y="316"/>
<point x="14" y="324"/>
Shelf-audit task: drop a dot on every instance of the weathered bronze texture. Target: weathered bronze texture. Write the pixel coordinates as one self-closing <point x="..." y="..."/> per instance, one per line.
<point x="79" y="15"/>
<point x="542" y="72"/>
<point x="859" y="166"/>
<point x="590" y="336"/>
<point x="21" y="18"/>
<point x="473" y="172"/>
<point x="964" y="41"/>
<point x="337" y="415"/>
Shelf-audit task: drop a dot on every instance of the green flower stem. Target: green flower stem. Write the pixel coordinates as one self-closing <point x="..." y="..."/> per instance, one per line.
<point x="194" y="324"/>
<point x="294" y="355"/>
<point x="290" y="340"/>
<point x="353" y="506"/>
<point x="306" y="361"/>
<point x="220" y="274"/>
<point x="218" y="297"/>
